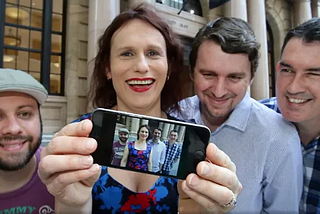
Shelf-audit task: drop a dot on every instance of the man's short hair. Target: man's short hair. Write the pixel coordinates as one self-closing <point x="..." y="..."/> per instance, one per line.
<point x="19" y="81"/>
<point x="173" y="131"/>
<point x="233" y="35"/>
<point x="123" y="130"/>
<point x="309" y="31"/>
<point x="157" y="129"/>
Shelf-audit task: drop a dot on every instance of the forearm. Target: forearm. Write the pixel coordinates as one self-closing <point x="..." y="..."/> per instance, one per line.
<point x="84" y="209"/>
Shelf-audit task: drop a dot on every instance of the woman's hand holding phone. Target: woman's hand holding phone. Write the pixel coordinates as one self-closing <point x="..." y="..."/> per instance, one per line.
<point x="67" y="169"/>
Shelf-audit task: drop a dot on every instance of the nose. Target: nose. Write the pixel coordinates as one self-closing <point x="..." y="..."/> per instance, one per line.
<point x="10" y="125"/>
<point x="142" y="65"/>
<point x="297" y="85"/>
<point x="219" y="88"/>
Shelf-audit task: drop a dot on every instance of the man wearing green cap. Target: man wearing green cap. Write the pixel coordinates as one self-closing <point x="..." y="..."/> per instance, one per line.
<point x="21" y="190"/>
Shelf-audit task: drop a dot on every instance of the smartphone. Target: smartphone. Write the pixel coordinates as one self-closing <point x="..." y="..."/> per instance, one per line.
<point x="148" y="144"/>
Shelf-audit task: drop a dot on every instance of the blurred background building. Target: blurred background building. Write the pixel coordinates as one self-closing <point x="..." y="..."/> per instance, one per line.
<point x="55" y="41"/>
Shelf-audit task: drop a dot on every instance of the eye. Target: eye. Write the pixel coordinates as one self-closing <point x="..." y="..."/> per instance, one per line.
<point x="25" y="114"/>
<point x="126" y="54"/>
<point x="314" y="74"/>
<point x="235" y="78"/>
<point x="286" y="70"/>
<point x="153" y="53"/>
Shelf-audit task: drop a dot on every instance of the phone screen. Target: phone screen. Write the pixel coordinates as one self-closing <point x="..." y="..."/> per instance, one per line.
<point x="146" y="144"/>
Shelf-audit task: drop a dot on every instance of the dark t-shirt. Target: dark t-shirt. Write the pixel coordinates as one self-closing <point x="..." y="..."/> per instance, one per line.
<point x="33" y="197"/>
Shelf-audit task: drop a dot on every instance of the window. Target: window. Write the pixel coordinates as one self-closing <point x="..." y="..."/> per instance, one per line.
<point x="191" y="6"/>
<point x="272" y="90"/>
<point x="32" y="39"/>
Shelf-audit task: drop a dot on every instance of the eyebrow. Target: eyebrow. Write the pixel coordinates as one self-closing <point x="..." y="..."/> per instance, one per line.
<point x="240" y="73"/>
<point x="308" y="69"/>
<point x="26" y="106"/>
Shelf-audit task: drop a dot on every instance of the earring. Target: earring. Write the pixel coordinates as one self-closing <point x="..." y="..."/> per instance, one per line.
<point x="168" y="77"/>
<point x="108" y="78"/>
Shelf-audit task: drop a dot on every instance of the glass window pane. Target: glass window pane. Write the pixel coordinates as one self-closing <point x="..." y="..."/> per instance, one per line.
<point x="11" y="14"/>
<point x="35" y="41"/>
<point x="25" y="3"/>
<point x="37" y="4"/>
<point x="10" y="36"/>
<point x="36" y="19"/>
<point x="12" y="1"/>
<point x="35" y="74"/>
<point x="57" y="22"/>
<point x="34" y="62"/>
<point x="57" y="6"/>
<point x="55" y="65"/>
<point x="56" y="43"/>
<point x="24" y="35"/>
<point x="55" y="82"/>
<point x="22" y="60"/>
<point x="24" y="16"/>
<point x="9" y="59"/>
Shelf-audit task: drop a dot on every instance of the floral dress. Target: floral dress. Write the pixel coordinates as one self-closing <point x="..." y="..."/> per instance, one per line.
<point x="138" y="159"/>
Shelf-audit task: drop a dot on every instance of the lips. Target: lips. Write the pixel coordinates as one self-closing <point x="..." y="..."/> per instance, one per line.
<point x="12" y="145"/>
<point x="140" y="84"/>
<point x="297" y="100"/>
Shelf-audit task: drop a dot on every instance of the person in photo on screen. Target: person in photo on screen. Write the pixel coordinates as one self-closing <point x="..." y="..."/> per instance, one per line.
<point x="172" y="152"/>
<point x="118" y="146"/>
<point x="158" y="151"/>
<point x="138" y="154"/>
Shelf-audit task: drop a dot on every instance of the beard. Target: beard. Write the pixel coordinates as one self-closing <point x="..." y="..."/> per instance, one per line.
<point x="21" y="159"/>
<point x="123" y="139"/>
<point x="32" y="148"/>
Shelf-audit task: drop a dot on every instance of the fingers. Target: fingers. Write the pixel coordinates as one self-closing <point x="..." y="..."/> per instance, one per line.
<point x="87" y="177"/>
<point x="218" y="157"/>
<point x="218" y="175"/>
<point x="79" y="129"/>
<point x="63" y="163"/>
<point x="71" y="145"/>
<point x="199" y="202"/>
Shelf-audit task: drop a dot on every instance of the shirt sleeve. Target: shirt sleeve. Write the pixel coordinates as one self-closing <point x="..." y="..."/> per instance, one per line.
<point x="283" y="181"/>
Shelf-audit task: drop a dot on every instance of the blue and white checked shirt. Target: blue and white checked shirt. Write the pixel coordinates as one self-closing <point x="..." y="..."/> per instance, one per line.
<point x="310" y="201"/>
<point x="172" y="153"/>
<point x="266" y="150"/>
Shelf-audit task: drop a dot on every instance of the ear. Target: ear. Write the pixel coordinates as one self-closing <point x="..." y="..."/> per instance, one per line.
<point x="108" y="74"/>
<point x="278" y="67"/>
<point x="191" y="74"/>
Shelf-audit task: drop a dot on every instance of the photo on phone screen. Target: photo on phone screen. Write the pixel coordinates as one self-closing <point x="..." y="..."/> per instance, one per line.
<point x="147" y="144"/>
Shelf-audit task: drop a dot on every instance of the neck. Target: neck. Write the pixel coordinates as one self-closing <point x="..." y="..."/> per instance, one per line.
<point x="152" y="110"/>
<point x="13" y="180"/>
<point x="210" y="121"/>
<point x="141" y="141"/>
<point x="171" y="142"/>
<point x="155" y="140"/>
<point x="307" y="132"/>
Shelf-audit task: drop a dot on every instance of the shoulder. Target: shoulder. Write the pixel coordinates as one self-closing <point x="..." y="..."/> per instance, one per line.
<point x="83" y="117"/>
<point x="187" y="106"/>
<point x="271" y="103"/>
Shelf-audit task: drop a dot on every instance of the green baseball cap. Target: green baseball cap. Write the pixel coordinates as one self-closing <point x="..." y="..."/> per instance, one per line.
<point x="19" y="81"/>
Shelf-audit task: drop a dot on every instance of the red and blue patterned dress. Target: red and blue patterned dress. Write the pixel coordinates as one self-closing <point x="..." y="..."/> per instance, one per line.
<point x="138" y="159"/>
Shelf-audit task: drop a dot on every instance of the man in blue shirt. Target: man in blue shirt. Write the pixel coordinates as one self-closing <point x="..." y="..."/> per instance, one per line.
<point x="298" y="99"/>
<point x="172" y="153"/>
<point x="264" y="146"/>
<point x="158" y="151"/>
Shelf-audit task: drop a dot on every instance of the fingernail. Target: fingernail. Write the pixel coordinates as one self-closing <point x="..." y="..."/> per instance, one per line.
<point x="205" y="169"/>
<point x="86" y="160"/>
<point x="94" y="168"/>
<point x="185" y="187"/>
<point x="89" y="144"/>
<point x="194" y="181"/>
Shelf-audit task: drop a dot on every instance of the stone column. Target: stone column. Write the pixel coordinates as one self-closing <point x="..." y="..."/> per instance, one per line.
<point x="165" y="131"/>
<point x="134" y="126"/>
<point x="302" y="11"/>
<point x="257" y="20"/>
<point x="181" y="133"/>
<point x="315" y="4"/>
<point x="236" y="8"/>
<point x="144" y="122"/>
<point x="101" y="14"/>
<point x="133" y="2"/>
